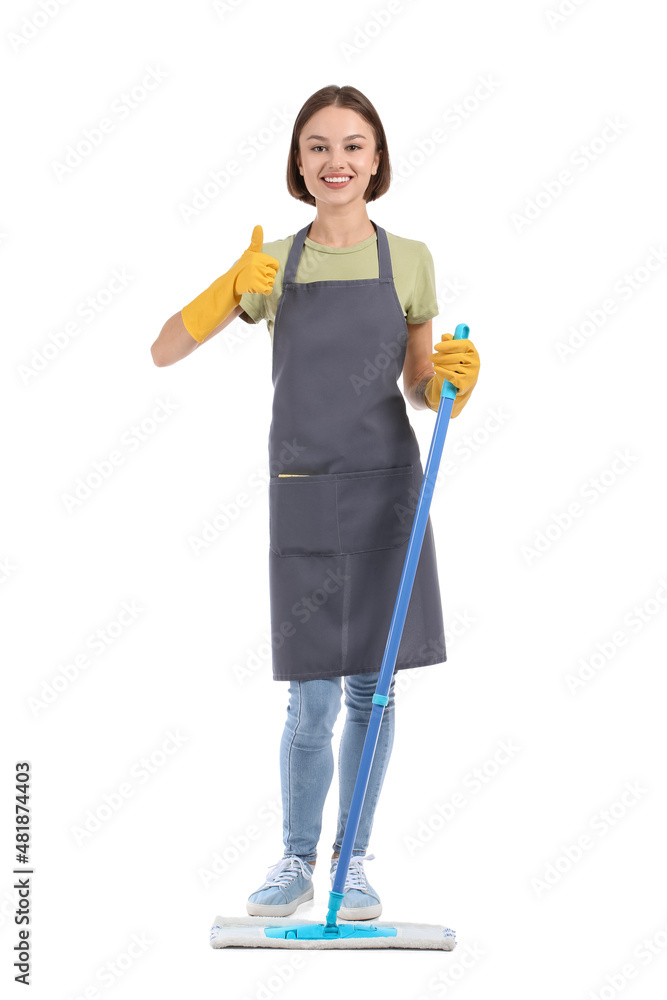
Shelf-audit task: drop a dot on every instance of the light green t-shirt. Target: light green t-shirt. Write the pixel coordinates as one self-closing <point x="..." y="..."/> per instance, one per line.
<point x="411" y="261"/>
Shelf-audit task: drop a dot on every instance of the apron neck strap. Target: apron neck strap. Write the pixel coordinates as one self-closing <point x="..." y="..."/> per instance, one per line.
<point x="384" y="258"/>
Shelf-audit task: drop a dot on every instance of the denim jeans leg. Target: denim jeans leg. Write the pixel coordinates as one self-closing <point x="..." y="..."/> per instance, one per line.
<point x="306" y="762"/>
<point x="359" y="691"/>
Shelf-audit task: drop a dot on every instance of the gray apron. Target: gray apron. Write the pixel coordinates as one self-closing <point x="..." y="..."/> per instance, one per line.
<point x="345" y="475"/>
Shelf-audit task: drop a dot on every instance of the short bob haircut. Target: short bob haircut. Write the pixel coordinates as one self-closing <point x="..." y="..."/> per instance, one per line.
<point x="339" y="97"/>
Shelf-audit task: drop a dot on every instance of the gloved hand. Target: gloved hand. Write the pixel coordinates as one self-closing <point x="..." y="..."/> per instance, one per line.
<point x="254" y="271"/>
<point x="457" y="361"/>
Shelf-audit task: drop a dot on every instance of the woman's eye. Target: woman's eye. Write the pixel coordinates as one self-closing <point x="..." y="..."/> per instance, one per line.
<point x="351" y="146"/>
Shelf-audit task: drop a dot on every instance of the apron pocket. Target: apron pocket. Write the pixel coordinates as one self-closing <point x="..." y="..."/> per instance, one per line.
<point x="375" y="509"/>
<point x="340" y="513"/>
<point x="302" y="516"/>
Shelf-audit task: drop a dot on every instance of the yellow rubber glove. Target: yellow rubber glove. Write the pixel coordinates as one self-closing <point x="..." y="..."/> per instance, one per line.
<point x="457" y="361"/>
<point x="254" y="271"/>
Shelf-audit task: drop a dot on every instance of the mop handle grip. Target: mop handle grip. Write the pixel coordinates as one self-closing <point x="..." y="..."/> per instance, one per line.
<point x="449" y="390"/>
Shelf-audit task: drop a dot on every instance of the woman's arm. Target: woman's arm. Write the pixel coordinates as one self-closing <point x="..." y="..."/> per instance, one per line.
<point x="174" y="342"/>
<point x="418" y="369"/>
<point x="183" y="332"/>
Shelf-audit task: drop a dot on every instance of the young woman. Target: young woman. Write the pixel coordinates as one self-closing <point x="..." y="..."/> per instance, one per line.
<point x="349" y="308"/>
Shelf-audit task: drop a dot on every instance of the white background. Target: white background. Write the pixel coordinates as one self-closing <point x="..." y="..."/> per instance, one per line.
<point x="540" y="431"/>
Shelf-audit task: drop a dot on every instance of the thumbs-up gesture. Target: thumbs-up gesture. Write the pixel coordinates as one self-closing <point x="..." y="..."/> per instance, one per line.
<point x="255" y="271"/>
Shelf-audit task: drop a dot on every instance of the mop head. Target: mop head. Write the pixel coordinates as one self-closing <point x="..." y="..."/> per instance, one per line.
<point x="255" y="932"/>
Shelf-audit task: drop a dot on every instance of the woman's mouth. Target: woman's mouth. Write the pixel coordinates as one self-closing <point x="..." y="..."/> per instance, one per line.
<point x="332" y="181"/>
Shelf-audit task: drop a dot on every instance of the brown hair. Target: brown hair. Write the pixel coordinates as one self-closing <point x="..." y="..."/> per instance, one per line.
<point x="339" y="97"/>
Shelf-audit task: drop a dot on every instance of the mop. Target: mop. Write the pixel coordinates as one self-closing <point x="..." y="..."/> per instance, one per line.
<point x="286" y="932"/>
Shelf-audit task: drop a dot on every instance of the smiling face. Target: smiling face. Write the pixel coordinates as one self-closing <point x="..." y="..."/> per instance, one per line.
<point x="337" y="142"/>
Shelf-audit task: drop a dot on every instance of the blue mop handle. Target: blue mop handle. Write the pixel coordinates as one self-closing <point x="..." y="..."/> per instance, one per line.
<point x="380" y="698"/>
<point x="448" y="390"/>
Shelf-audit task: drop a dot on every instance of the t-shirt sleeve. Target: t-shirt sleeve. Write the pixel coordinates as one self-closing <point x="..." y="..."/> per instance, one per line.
<point x="423" y="304"/>
<point x="252" y="304"/>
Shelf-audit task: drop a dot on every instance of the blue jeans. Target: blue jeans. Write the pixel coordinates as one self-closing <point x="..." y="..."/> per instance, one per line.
<point x="307" y="764"/>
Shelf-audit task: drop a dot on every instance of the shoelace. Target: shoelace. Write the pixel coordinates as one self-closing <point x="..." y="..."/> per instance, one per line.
<point x="356" y="877"/>
<point x="285" y="871"/>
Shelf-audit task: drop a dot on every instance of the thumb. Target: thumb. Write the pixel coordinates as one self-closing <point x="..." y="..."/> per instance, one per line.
<point x="257" y="240"/>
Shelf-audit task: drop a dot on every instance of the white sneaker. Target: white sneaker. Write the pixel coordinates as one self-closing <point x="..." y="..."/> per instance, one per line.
<point x="361" y="901"/>
<point x="288" y="883"/>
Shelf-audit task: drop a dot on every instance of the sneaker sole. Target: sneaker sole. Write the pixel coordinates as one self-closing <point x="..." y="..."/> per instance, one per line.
<point x="360" y="912"/>
<point x="279" y="909"/>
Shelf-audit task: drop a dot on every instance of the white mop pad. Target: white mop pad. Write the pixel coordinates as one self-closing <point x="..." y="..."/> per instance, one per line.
<point x="248" y="932"/>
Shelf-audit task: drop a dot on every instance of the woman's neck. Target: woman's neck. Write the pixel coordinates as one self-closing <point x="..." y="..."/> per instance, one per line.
<point x="342" y="228"/>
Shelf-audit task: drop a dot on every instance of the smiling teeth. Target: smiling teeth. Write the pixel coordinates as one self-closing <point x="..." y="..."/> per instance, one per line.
<point x="336" y="180"/>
